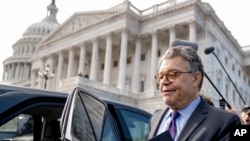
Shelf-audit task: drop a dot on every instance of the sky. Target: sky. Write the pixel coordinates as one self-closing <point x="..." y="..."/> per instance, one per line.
<point x="18" y="15"/>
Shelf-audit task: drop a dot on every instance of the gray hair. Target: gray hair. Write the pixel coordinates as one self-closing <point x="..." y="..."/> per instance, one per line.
<point x="190" y="55"/>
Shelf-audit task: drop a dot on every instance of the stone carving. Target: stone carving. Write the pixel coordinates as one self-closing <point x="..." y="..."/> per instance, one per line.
<point x="82" y="21"/>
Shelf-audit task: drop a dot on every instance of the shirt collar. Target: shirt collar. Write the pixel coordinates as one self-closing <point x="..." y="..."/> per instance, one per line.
<point x="188" y="110"/>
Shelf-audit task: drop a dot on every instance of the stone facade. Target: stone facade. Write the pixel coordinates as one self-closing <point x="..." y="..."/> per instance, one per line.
<point x="119" y="49"/>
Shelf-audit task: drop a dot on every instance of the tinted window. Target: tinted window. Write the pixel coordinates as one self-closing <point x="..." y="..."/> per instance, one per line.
<point x="81" y="127"/>
<point x="108" y="132"/>
<point x="136" y="124"/>
<point x="95" y="110"/>
<point x="19" y="127"/>
<point x="91" y="121"/>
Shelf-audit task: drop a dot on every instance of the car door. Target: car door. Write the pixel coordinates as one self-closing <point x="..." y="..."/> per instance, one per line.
<point x="26" y="114"/>
<point x="87" y="118"/>
<point x="134" y="122"/>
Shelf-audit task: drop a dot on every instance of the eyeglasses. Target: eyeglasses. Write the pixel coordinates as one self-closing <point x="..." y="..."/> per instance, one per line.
<point x="170" y="76"/>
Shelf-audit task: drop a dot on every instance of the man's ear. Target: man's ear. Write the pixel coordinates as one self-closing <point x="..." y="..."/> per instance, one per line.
<point x="196" y="78"/>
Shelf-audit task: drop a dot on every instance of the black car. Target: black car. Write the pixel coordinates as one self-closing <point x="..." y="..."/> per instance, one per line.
<point x="80" y="115"/>
<point x="20" y="104"/>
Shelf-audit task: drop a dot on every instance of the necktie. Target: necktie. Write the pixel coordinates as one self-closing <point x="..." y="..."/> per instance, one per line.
<point x="172" y="125"/>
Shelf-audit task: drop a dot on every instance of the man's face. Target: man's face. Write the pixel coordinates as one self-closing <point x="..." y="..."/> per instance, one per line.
<point x="184" y="89"/>
<point x="245" y="116"/>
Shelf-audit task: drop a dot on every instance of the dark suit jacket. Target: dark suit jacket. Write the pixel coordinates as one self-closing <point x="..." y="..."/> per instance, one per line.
<point x="206" y="123"/>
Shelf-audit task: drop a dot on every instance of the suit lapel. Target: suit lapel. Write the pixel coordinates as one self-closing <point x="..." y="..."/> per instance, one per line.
<point x="156" y="122"/>
<point x="197" y="117"/>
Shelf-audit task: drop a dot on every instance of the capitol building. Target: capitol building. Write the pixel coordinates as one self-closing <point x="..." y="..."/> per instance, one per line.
<point x="117" y="50"/>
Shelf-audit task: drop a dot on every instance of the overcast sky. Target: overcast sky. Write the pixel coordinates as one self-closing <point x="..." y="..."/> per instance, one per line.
<point x="17" y="15"/>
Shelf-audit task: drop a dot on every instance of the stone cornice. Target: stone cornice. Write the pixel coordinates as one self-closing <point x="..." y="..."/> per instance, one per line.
<point x="19" y="59"/>
<point x="23" y="40"/>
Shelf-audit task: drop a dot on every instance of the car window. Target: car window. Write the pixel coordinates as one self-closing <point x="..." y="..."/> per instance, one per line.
<point x="95" y="110"/>
<point x="135" y="123"/>
<point x="98" y="117"/>
<point x="20" y="126"/>
<point x="85" y="117"/>
<point x="108" y="132"/>
<point x="81" y="128"/>
<point x="88" y="115"/>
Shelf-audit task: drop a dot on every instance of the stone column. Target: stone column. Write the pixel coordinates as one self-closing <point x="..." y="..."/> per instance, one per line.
<point x="60" y="67"/>
<point x="70" y="62"/>
<point x="17" y="72"/>
<point x="4" y="71"/>
<point x="172" y="33"/>
<point x="28" y="71"/>
<point x="153" y="68"/>
<point x="94" y="61"/>
<point x="136" y="77"/>
<point x="123" y="60"/>
<point x="192" y="31"/>
<point x="82" y="59"/>
<point x="12" y="75"/>
<point x="22" y="71"/>
<point x="108" y="60"/>
<point x="7" y="72"/>
<point x="25" y="76"/>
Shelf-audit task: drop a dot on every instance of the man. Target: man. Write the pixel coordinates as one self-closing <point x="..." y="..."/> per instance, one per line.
<point x="28" y="126"/>
<point x="180" y="79"/>
<point x="245" y="115"/>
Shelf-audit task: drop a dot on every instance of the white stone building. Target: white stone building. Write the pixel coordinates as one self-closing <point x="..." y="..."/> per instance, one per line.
<point x="119" y="48"/>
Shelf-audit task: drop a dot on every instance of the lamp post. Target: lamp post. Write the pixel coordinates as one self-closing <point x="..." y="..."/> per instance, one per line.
<point x="46" y="74"/>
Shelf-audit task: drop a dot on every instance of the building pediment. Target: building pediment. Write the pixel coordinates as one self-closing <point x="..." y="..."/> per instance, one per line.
<point x="78" y="21"/>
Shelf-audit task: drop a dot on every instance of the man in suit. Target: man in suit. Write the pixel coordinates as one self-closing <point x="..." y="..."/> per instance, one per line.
<point x="180" y="79"/>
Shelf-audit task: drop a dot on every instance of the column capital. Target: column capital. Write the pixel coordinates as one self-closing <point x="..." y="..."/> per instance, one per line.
<point x="154" y="31"/>
<point x="72" y="48"/>
<point x="83" y="44"/>
<point x="138" y="36"/>
<point x="95" y="39"/>
<point x="123" y="28"/>
<point x="172" y="27"/>
<point x="61" y="51"/>
<point x="190" y="22"/>
<point x="109" y="34"/>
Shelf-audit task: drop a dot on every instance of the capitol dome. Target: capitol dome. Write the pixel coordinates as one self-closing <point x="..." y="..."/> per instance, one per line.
<point x="24" y="49"/>
<point x="47" y="25"/>
<point x="41" y="28"/>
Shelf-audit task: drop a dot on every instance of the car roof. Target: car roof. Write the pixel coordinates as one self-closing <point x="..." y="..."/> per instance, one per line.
<point x="11" y="95"/>
<point x="8" y="92"/>
<point x="4" y="88"/>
